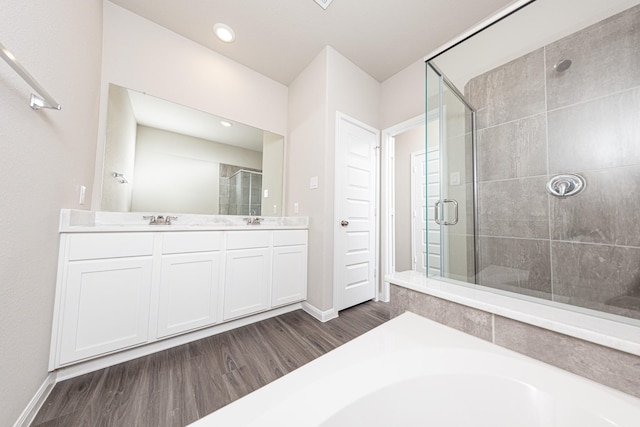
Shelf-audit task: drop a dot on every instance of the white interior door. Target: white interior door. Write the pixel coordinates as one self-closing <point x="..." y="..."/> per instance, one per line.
<point x="419" y="211"/>
<point x="355" y="223"/>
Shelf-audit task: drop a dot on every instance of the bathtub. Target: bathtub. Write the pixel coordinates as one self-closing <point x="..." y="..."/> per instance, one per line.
<point x="412" y="371"/>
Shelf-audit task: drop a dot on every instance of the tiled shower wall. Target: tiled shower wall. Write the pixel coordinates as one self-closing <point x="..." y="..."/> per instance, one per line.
<point x="535" y="122"/>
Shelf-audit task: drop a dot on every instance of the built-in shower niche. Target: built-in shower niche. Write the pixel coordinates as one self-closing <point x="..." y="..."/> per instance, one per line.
<point x="240" y="190"/>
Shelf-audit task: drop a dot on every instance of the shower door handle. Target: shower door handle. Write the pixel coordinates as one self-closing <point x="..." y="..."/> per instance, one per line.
<point x="455" y="212"/>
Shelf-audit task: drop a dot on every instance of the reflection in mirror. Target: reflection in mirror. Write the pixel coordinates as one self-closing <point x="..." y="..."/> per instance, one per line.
<point x="167" y="158"/>
<point x="550" y="90"/>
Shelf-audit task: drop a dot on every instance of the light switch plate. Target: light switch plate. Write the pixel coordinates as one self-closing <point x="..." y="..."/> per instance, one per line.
<point x="83" y="192"/>
<point x="454" y="178"/>
<point x="313" y="182"/>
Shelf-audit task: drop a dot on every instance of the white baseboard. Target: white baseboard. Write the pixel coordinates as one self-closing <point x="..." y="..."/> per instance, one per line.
<point x="36" y="402"/>
<point x="322" y="316"/>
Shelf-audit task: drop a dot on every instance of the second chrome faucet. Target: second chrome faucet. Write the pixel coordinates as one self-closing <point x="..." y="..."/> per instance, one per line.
<point x="160" y="219"/>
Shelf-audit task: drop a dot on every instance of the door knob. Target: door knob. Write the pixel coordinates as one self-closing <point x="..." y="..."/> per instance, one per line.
<point x="344" y="223"/>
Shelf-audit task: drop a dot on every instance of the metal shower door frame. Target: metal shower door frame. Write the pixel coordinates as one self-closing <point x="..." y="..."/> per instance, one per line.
<point x="474" y="157"/>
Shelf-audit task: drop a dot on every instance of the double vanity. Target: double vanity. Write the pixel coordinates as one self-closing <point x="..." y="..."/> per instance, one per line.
<point x="124" y="283"/>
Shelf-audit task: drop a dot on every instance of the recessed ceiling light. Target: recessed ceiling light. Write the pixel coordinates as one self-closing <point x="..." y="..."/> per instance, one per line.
<point x="224" y="32"/>
<point x="225" y="123"/>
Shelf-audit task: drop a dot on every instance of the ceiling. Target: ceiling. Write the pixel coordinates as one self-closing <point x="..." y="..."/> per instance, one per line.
<point x="279" y="38"/>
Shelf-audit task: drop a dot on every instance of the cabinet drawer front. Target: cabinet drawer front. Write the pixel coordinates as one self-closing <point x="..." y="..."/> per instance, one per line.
<point x="109" y="245"/>
<point x="248" y="239"/>
<point x="289" y="237"/>
<point x="191" y="241"/>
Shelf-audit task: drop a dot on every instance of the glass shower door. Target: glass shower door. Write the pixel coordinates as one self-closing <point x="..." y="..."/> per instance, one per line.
<point x="450" y="181"/>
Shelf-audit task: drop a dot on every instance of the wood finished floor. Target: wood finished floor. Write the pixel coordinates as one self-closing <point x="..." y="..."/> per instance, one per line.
<point x="178" y="386"/>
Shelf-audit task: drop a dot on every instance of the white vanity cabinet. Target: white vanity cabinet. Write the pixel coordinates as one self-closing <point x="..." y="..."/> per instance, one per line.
<point x="247" y="282"/>
<point x="189" y="281"/>
<point x="289" y="275"/>
<point x="117" y="290"/>
<point x="105" y="295"/>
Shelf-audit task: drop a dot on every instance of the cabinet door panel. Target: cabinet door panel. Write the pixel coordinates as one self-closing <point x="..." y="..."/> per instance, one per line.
<point x="106" y="306"/>
<point x="289" y="283"/>
<point x="188" y="292"/>
<point x="247" y="282"/>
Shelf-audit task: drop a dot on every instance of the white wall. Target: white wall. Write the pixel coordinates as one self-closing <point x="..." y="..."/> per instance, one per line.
<point x="46" y="155"/>
<point x="402" y="96"/>
<point x="330" y="83"/>
<point x="177" y="173"/>
<point x="306" y="153"/>
<point x="143" y="56"/>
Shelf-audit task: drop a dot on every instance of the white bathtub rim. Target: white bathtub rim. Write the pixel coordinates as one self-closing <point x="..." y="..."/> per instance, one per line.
<point x="598" y="330"/>
<point x="295" y="398"/>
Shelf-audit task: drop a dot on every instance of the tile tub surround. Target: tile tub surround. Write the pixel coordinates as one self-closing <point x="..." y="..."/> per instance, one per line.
<point x="534" y="123"/>
<point x="614" y="368"/>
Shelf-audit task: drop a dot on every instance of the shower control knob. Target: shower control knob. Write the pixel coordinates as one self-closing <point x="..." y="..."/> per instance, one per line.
<point x="565" y="185"/>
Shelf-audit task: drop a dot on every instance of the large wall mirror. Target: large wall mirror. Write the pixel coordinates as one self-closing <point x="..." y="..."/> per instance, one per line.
<point x="167" y="158"/>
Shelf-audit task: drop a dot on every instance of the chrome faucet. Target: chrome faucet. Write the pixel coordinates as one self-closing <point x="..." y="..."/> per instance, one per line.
<point x="253" y="220"/>
<point x="160" y="219"/>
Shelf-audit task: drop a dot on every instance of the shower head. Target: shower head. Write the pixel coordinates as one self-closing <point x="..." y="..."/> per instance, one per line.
<point x="562" y="65"/>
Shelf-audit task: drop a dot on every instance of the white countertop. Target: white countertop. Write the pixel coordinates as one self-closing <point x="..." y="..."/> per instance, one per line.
<point x="79" y="221"/>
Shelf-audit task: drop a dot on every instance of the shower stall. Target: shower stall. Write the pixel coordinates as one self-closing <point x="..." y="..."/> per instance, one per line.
<point x="245" y="193"/>
<point x="538" y="191"/>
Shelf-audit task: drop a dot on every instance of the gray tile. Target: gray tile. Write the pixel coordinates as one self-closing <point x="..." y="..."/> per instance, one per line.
<point x="597" y="134"/>
<point x="466" y="319"/>
<point x="224" y="190"/>
<point x="607" y="211"/>
<point x="516" y="265"/>
<point x="605" y="365"/>
<point x="605" y="59"/>
<point x="514" y="208"/>
<point x="513" y="150"/>
<point x="602" y="277"/>
<point x="509" y="92"/>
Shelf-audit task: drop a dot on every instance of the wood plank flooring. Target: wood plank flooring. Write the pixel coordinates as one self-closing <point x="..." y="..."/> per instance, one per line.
<point x="178" y="386"/>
